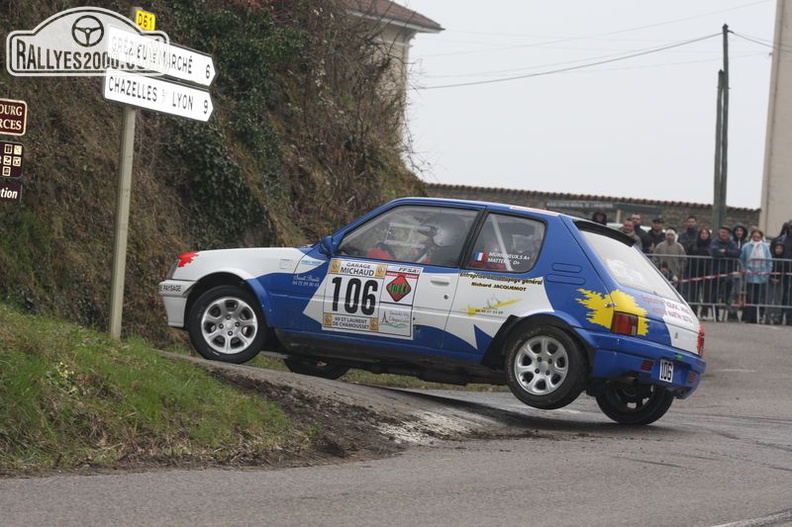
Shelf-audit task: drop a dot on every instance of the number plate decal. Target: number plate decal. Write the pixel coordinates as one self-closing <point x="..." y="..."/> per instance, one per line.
<point x="368" y="297"/>
<point x="666" y="370"/>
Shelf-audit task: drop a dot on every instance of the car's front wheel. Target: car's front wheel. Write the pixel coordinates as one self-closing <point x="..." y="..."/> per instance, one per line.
<point x="315" y="368"/>
<point x="545" y="367"/>
<point x="226" y="324"/>
<point x="634" y="405"/>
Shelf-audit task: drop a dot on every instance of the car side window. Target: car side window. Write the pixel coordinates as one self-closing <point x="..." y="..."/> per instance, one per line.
<point x="412" y="234"/>
<point x="507" y="243"/>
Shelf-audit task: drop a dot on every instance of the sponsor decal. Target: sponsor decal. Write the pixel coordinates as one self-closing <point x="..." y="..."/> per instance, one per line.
<point x="306" y="280"/>
<point x="506" y="283"/>
<point x="370" y="297"/>
<point x="398" y="288"/>
<point x="187" y="258"/>
<point x="170" y="288"/>
<point x="492" y="307"/>
<point x="601" y="308"/>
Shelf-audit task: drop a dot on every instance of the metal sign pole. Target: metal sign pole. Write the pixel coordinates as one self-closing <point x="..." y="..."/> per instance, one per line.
<point x="122" y="221"/>
<point x="122" y="217"/>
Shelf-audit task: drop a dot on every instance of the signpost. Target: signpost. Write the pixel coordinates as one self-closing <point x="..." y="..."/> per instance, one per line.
<point x="10" y="191"/>
<point x="158" y="95"/>
<point x="190" y="66"/>
<point x="13" y="117"/>
<point x="132" y="56"/>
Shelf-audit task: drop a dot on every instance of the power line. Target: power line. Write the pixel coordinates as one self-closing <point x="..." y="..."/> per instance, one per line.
<point x="572" y="68"/>
<point x="551" y="65"/>
<point x="571" y="39"/>
<point x="763" y="42"/>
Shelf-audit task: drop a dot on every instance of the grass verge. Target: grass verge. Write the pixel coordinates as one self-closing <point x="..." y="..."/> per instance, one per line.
<point x="74" y="398"/>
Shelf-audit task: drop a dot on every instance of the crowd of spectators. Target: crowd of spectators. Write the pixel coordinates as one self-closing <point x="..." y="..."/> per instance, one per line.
<point x="736" y="273"/>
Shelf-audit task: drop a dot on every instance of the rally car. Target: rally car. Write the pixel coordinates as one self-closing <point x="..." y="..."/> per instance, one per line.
<point x="458" y="292"/>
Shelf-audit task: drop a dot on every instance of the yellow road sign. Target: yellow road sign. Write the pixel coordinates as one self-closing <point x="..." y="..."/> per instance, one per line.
<point x="145" y="20"/>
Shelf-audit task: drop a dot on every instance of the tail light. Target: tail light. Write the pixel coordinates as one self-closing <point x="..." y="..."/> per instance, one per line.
<point x="624" y="323"/>
<point x="700" y="342"/>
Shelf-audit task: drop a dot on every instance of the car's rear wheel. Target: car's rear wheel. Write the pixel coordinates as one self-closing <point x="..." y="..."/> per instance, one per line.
<point x="545" y="367"/>
<point x="315" y="368"/>
<point x="634" y="405"/>
<point x="226" y="324"/>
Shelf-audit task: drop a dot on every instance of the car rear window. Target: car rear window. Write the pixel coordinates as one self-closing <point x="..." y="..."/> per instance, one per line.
<point x="629" y="266"/>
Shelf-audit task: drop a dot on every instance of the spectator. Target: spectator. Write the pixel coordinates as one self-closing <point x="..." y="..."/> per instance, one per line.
<point x="669" y="253"/>
<point x="779" y="283"/>
<point x="740" y="235"/>
<point x="688" y="237"/>
<point x="700" y="272"/>
<point x="724" y="253"/>
<point x="600" y="217"/>
<point x="757" y="262"/>
<point x="785" y="238"/>
<point x="628" y="229"/>
<point x="639" y="230"/>
<point x="655" y="234"/>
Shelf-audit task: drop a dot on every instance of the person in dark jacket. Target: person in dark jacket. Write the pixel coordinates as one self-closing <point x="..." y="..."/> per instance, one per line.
<point x="656" y="234"/>
<point x="599" y="217"/>
<point x="700" y="271"/>
<point x="739" y="234"/>
<point x="736" y="297"/>
<point x="724" y="253"/>
<point x="688" y="237"/>
<point x="779" y="283"/>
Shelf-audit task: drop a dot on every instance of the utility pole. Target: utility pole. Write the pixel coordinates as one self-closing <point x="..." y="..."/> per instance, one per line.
<point x="717" y="198"/>
<point x="722" y="138"/>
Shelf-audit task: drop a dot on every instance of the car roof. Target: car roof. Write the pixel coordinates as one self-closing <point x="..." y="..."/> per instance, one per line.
<point x="500" y="207"/>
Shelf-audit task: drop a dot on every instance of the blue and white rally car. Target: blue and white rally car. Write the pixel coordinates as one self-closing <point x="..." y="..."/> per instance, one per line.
<point x="458" y="292"/>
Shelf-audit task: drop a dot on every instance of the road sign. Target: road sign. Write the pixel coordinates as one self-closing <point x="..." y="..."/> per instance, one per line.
<point x="158" y="95"/>
<point x="11" y="155"/>
<point x="75" y="42"/>
<point x="145" y="20"/>
<point x="137" y="51"/>
<point x="10" y="190"/>
<point x="191" y="66"/>
<point x="13" y="117"/>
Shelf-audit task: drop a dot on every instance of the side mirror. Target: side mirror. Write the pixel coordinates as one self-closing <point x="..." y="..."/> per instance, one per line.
<point x="326" y="246"/>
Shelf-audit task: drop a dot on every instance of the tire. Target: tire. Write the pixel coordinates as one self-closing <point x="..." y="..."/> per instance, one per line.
<point x="634" y="405"/>
<point x="545" y="367"/>
<point x="316" y="368"/>
<point x="226" y="324"/>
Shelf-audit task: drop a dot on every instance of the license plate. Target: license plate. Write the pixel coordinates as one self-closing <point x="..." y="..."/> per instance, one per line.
<point x="666" y="370"/>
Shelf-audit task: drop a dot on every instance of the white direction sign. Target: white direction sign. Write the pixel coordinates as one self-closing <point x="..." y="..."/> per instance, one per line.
<point x="156" y="94"/>
<point x="191" y="66"/>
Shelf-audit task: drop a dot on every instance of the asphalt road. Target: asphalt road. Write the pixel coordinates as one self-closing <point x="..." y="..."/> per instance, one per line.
<point x="721" y="457"/>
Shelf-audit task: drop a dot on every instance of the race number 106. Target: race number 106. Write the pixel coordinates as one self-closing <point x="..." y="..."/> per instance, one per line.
<point x="356" y="294"/>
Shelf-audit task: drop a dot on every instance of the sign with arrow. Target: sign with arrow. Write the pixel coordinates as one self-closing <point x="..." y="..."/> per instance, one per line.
<point x="156" y="94"/>
<point x="190" y="66"/>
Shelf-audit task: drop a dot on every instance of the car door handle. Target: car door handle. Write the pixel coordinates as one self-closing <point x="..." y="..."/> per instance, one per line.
<point x="440" y="280"/>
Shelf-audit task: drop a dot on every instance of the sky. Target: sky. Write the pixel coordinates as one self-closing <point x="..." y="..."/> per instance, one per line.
<point x="608" y="98"/>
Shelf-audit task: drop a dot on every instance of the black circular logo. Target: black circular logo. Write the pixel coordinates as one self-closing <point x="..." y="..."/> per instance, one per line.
<point x="87" y="31"/>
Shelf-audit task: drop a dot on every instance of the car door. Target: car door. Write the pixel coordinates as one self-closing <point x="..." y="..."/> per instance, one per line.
<point x="393" y="278"/>
<point x="498" y="280"/>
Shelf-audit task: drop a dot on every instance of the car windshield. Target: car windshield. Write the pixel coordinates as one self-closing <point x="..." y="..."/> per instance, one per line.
<point x="629" y="266"/>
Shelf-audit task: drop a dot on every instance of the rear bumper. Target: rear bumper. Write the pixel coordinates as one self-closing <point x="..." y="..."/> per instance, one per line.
<point x="618" y="356"/>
